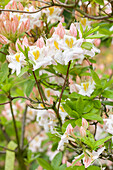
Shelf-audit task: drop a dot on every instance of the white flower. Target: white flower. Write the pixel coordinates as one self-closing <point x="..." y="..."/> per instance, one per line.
<point x="87" y="88"/>
<point x="88" y="160"/>
<point x="62" y="113"/>
<point x="46" y="119"/>
<point x="52" y="14"/>
<point x="108" y="127"/>
<point x="16" y="61"/>
<point x="37" y="55"/>
<point x="65" y="138"/>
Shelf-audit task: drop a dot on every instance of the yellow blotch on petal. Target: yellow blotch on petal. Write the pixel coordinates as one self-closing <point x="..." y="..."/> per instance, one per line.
<point x="30" y="112"/>
<point x="36" y="54"/>
<point x="62" y="109"/>
<point x="69" y="42"/>
<point x="56" y="45"/>
<point x="42" y="105"/>
<point x="48" y="93"/>
<point x="51" y="9"/>
<point x="85" y="85"/>
<point x="83" y="21"/>
<point x="17" y="56"/>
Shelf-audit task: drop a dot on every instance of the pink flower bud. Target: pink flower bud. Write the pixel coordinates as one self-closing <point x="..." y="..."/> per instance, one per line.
<point x="40" y="42"/>
<point x="73" y="30"/>
<point x="8" y="26"/>
<point x="82" y="132"/>
<point x="3" y="39"/>
<point x="60" y="30"/>
<point x="20" y="6"/>
<point x="69" y="129"/>
<point x="25" y="42"/>
<point x="27" y="25"/>
<point x="84" y="123"/>
<point x="97" y="42"/>
<point x="87" y="161"/>
<point x="14" y="5"/>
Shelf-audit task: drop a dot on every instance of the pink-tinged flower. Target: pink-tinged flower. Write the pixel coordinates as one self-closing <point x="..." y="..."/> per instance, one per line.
<point x="20" y="6"/>
<point x="40" y="42"/>
<point x="82" y="131"/>
<point x="87" y="161"/>
<point x="97" y="42"/>
<point x="23" y="44"/>
<point x="69" y="129"/>
<point x="14" y="5"/>
<point x="84" y="123"/>
<point x="73" y="30"/>
<point x="60" y="30"/>
<point x="3" y="39"/>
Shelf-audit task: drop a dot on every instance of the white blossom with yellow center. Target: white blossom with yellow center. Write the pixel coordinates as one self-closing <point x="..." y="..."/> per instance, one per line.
<point x="86" y="88"/>
<point x="38" y="56"/>
<point x="16" y="61"/>
<point x="53" y="14"/>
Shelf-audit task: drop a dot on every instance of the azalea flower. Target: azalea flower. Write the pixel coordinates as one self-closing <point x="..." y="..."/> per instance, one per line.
<point x="108" y="126"/>
<point x="86" y="88"/>
<point x="16" y="61"/>
<point x="88" y="160"/>
<point x="65" y="137"/>
<point x="38" y="56"/>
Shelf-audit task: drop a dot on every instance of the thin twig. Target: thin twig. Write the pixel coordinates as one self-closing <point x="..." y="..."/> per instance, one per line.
<point x="23" y="127"/>
<point x="4" y="133"/>
<point x="7" y="149"/>
<point x="63" y="88"/>
<point x="3" y="53"/>
<point x="39" y="88"/>
<point x="15" y="127"/>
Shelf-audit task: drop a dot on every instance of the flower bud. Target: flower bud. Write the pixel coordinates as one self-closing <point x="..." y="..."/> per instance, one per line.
<point x="69" y="129"/>
<point x="84" y="123"/>
<point x="82" y="132"/>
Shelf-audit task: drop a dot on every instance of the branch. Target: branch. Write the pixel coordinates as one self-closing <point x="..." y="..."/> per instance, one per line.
<point x="39" y="89"/>
<point x="23" y="127"/>
<point x="14" y="123"/>
<point x="4" y="133"/>
<point x="7" y="149"/>
<point x="63" y="88"/>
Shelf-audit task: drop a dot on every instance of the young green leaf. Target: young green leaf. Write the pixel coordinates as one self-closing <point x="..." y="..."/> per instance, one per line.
<point x="44" y="164"/>
<point x="57" y="160"/>
<point x="10" y="156"/>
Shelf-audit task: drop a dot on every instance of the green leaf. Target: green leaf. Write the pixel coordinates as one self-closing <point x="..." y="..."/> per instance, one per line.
<point x="101" y="141"/>
<point x="10" y="156"/>
<point x="81" y="29"/>
<point x="62" y="167"/>
<point x="23" y="70"/>
<point x="97" y="104"/>
<point x="80" y="105"/>
<point x="87" y="45"/>
<point x="92" y="116"/>
<point x="95" y="36"/>
<point x="64" y="126"/>
<point x="70" y="112"/>
<point x="78" y="122"/>
<point x="56" y="160"/>
<point x="4" y="72"/>
<point x="77" y="160"/>
<point x="91" y="31"/>
<point x="100" y="2"/>
<point x="75" y="168"/>
<point x="95" y="77"/>
<point x="88" y="105"/>
<point x="93" y="168"/>
<point x="108" y="94"/>
<point x="29" y="87"/>
<point x="44" y="164"/>
<point x="61" y="68"/>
